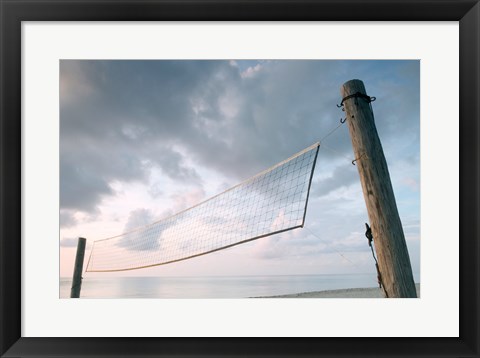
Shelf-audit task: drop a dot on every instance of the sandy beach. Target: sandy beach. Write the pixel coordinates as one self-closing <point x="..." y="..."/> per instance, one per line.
<point x="370" y="292"/>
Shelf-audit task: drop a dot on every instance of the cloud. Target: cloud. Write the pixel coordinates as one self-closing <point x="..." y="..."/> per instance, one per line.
<point x="184" y="200"/>
<point x="120" y="132"/>
<point x="178" y="131"/>
<point x="171" y="164"/>
<point x="67" y="219"/>
<point x="340" y="178"/>
<point x="251" y="71"/>
<point x="305" y="242"/>
<point x="120" y="120"/>
<point x="69" y="242"/>
<point x="81" y="187"/>
<point x="139" y="236"/>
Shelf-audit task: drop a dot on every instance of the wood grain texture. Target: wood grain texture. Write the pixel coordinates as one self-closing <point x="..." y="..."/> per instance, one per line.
<point x="389" y="239"/>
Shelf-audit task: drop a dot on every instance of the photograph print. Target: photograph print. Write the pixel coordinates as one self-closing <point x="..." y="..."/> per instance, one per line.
<point x="239" y="179"/>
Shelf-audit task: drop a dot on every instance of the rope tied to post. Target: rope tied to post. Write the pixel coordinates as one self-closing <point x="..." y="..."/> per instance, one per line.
<point x="369" y="236"/>
<point x="356" y="95"/>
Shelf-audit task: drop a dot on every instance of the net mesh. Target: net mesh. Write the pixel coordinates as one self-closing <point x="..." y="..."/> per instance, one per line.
<point x="270" y="202"/>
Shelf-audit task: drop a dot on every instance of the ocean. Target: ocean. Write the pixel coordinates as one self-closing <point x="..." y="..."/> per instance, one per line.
<point x="214" y="286"/>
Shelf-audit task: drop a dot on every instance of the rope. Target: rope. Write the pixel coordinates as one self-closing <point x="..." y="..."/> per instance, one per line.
<point x="337" y="152"/>
<point x="331" y="132"/>
<point x="369" y="236"/>
<point x="379" y="277"/>
<point x="338" y="252"/>
<point x="357" y="95"/>
<point x="367" y="98"/>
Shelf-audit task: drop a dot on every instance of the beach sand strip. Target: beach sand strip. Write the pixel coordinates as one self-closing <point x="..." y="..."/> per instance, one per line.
<point x="370" y="292"/>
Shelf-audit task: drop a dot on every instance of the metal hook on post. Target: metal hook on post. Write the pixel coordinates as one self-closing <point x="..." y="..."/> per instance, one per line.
<point x="357" y="159"/>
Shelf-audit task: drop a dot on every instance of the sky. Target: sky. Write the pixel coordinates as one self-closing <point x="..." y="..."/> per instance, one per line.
<point x="142" y="140"/>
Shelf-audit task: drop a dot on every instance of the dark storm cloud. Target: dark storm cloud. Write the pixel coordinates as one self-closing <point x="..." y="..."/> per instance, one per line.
<point x="119" y="119"/>
<point x="80" y="186"/>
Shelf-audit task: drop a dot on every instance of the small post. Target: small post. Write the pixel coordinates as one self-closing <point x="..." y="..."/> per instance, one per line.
<point x="393" y="259"/>
<point x="78" y="269"/>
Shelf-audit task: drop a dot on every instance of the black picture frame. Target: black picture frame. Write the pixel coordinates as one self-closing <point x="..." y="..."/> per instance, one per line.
<point x="13" y="12"/>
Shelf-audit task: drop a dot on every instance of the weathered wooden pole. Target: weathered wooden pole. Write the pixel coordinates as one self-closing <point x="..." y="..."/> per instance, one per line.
<point x="393" y="260"/>
<point x="78" y="269"/>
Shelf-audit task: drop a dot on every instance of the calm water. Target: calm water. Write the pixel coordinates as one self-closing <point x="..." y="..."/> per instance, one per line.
<point x="213" y="287"/>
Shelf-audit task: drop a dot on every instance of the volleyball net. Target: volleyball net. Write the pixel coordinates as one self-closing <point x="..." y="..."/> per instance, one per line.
<point x="268" y="203"/>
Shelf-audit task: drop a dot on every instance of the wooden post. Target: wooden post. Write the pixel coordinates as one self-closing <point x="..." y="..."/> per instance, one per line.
<point x="393" y="260"/>
<point x="78" y="269"/>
